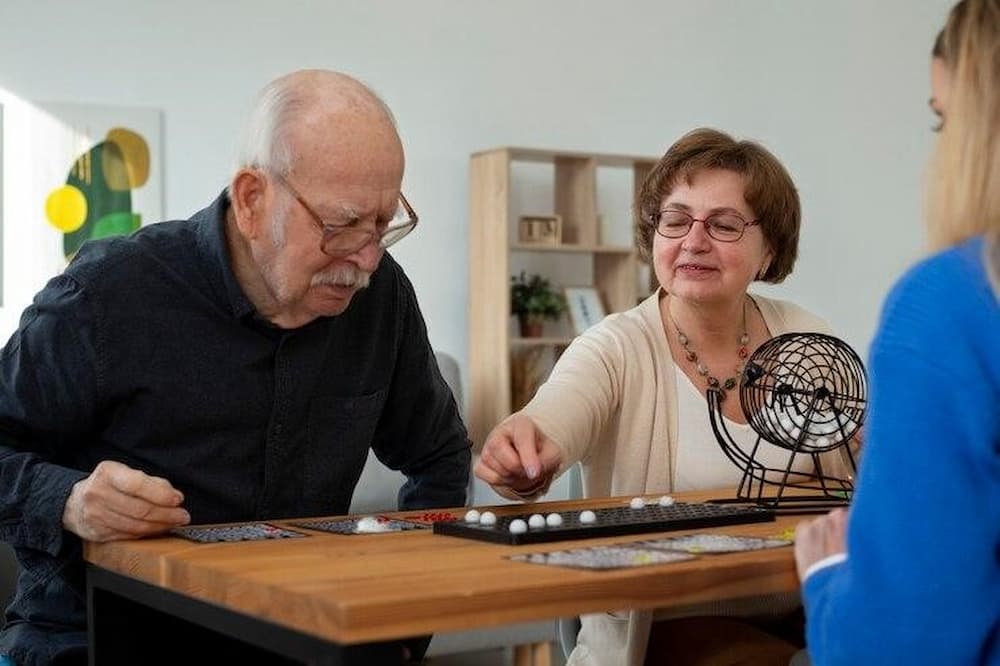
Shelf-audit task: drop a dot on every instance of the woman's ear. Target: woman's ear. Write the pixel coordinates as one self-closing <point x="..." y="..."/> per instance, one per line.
<point x="248" y="199"/>
<point x="766" y="265"/>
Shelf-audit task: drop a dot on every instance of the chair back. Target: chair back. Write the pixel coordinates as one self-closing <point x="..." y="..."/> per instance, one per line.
<point x="378" y="487"/>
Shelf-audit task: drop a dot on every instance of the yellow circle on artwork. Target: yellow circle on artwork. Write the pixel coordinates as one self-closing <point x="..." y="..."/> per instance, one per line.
<point x="66" y="208"/>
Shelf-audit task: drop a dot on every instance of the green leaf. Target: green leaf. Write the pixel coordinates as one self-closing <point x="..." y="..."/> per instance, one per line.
<point x="532" y="295"/>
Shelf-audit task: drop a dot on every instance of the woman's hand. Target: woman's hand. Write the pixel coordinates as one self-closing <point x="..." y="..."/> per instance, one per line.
<point x="820" y="538"/>
<point x="518" y="461"/>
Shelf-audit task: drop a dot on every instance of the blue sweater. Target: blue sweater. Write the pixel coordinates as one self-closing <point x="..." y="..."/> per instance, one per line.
<point x="921" y="583"/>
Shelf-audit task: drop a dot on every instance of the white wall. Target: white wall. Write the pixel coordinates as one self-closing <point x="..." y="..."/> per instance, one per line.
<point x="837" y="90"/>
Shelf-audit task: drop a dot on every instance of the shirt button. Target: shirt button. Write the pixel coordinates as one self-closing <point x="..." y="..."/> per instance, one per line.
<point x="278" y="428"/>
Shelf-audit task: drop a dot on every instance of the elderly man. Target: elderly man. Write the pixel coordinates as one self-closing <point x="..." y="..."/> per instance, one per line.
<point x="234" y="366"/>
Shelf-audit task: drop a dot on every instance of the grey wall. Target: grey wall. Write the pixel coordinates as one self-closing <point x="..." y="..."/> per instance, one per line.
<point x="837" y="89"/>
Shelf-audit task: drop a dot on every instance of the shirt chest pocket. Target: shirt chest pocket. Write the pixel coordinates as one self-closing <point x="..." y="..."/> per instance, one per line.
<point x="340" y="428"/>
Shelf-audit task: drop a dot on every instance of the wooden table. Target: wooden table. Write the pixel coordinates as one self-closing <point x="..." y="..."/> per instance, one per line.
<point x="331" y="599"/>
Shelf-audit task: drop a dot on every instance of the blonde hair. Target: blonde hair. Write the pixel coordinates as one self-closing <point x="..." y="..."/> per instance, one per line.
<point x="964" y="196"/>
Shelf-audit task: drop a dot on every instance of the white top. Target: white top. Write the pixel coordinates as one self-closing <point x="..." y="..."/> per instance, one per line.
<point x="701" y="462"/>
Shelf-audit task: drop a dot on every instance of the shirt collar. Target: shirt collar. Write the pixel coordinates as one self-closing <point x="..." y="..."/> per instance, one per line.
<point x="214" y="250"/>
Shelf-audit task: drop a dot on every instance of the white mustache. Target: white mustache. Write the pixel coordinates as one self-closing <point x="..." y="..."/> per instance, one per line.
<point x="344" y="276"/>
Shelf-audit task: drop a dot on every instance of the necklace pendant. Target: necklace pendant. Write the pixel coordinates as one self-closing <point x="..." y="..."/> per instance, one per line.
<point x="743" y="352"/>
<point x="691" y="356"/>
<point x="702" y="370"/>
<point x="713" y="382"/>
<point x="730" y="384"/>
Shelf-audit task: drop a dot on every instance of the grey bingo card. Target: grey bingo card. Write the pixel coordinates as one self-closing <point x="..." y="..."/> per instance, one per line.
<point x="714" y="543"/>
<point x="245" y="532"/>
<point x="603" y="557"/>
<point x="364" y="525"/>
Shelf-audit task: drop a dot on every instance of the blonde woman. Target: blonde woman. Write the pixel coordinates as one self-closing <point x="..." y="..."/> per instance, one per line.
<point x="913" y="577"/>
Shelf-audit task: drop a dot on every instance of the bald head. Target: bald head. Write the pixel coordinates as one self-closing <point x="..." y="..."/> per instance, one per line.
<point x="312" y="113"/>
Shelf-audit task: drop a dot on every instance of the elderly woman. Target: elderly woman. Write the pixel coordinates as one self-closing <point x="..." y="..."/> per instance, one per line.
<point x="628" y="397"/>
<point x="918" y="581"/>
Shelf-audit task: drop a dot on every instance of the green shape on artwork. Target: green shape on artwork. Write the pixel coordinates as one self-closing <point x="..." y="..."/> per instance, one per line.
<point x="103" y="203"/>
<point x="116" y="224"/>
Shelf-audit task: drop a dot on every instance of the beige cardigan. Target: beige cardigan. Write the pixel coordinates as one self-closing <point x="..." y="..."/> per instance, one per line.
<point x="611" y="404"/>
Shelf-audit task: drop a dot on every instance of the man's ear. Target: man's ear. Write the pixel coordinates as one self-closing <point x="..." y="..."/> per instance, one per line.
<point x="248" y="198"/>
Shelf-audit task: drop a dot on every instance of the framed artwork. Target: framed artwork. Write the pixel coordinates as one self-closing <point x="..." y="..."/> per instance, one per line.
<point x="585" y="307"/>
<point x="539" y="229"/>
<point x="98" y="171"/>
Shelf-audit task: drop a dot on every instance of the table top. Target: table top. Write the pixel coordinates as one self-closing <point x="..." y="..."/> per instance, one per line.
<point x="361" y="588"/>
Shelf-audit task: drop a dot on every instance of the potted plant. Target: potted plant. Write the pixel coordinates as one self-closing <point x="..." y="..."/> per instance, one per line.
<point x="533" y="300"/>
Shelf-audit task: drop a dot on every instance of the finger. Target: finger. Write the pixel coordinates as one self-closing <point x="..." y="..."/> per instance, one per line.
<point x="802" y="532"/>
<point x="502" y="457"/>
<point x="153" y="489"/>
<point x="486" y="473"/>
<point x="99" y="522"/>
<point x="839" y="516"/>
<point x="155" y="519"/>
<point x="526" y="445"/>
<point x="504" y="473"/>
<point x="158" y="490"/>
<point x="139" y="509"/>
<point x="807" y="549"/>
<point x="838" y="529"/>
<point x="119" y="526"/>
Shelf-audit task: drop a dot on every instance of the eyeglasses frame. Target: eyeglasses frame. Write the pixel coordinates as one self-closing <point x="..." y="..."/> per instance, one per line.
<point x="330" y="231"/>
<point x="655" y="222"/>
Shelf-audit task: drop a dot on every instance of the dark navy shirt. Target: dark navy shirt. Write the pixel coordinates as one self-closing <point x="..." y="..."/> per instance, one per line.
<point x="146" y="351"/>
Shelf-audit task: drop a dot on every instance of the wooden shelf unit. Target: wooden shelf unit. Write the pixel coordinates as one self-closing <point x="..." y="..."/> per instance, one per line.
<point x="491" y="222"/>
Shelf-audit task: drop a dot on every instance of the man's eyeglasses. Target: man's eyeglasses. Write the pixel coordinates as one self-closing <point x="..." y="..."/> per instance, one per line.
<point x="725" y="227"/>
<point x="343" y="239"/>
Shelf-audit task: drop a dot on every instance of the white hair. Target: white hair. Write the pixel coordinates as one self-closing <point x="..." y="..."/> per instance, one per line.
<point x="264" y="142"/>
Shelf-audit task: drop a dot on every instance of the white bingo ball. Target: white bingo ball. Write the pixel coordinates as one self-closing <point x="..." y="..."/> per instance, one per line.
<point x="553" y="520"/>
<point x="518" y="526"/>
<point x="827" y="428"/>
<point x="472" y="516"/>
<point x="588" y="516"/>
<point x="666" y="500"/>
<point x="487" y="518"/>
<point x="637" y="503"/>
<point x="371" y="524"/>
<point x="536" y="520"/>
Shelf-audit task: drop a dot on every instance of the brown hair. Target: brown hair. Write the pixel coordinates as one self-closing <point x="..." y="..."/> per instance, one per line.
<point x="769" y="191"/>
<point x="965" y="172"/>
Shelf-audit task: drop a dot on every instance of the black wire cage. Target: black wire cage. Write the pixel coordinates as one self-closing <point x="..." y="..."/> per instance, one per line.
<point x="805" y="393"/>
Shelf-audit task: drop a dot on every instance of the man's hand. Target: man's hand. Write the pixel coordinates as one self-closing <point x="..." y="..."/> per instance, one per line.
<point x="819" y="538"/>
<point x="118" y="502"/>
<point x="517" y="459"/>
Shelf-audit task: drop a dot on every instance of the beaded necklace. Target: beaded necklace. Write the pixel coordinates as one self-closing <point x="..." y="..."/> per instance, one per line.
<point x="713" y="382"/>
